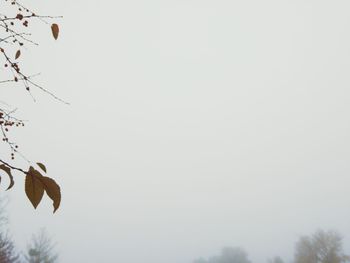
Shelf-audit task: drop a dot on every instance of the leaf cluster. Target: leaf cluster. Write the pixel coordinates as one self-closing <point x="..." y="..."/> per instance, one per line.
<point x="36" y="184"/>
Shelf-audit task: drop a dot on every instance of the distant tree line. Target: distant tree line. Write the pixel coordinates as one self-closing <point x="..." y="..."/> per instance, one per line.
<point x="320" y="247"/>
<point x="40" y="249"/>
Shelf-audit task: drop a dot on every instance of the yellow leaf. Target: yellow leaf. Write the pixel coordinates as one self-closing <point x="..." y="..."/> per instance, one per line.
<point x="8" y="171"/>
<point x="33" y="187"/>
<point x="55" y="30"/>
<point x="42" y="166"/>
<point x="52" y="190"/>
<point x="18" y="54"/>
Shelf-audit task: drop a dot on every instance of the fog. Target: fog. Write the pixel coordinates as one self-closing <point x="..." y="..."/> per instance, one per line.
<point x="193" y="125"/>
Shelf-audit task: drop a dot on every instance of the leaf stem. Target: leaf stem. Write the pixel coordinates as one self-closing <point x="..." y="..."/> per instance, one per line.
<point x="12" y="167"/>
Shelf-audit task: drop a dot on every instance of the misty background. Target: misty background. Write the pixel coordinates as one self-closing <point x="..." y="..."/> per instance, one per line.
<point x="193" y="125"/>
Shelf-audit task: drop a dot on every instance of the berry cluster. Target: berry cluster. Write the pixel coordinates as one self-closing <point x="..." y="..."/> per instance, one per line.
<point x="7" y="122"/>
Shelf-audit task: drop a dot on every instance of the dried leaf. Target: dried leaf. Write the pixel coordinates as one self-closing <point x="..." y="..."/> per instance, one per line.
<point x="8" y="171"/>
<point x="55" y="30"/>
<point x="33" y="187"/>
<point x="52" y="190"/>
<point x="42" y="166"/>
<point x="18" y="54"/>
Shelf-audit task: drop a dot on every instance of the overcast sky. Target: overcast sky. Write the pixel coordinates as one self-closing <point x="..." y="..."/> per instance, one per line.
<point x="193" y="125"/>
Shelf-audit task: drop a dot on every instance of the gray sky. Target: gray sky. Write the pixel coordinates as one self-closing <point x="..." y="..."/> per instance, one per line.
<point x="193" y="125"/>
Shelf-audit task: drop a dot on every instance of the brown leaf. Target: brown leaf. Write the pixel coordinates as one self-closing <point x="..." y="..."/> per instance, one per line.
<point x="8" y="171"/>
<point x="18" y="54"/>
<point x="42" y="166"/>
<point x="33" y="187"/>
<point x="55" y="30"/>
<point x="52" y="190"/>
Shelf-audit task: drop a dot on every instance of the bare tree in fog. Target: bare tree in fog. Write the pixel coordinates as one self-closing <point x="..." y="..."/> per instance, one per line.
<point x="228" y="255"/>
<point x="8" y="253"/>
<point x="321" y="247"/>
<point x="276" y="260"/>
<point x="41" y="249"/>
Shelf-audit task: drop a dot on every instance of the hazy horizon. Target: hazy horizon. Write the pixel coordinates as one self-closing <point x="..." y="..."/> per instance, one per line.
<point x="193" y="125"/>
